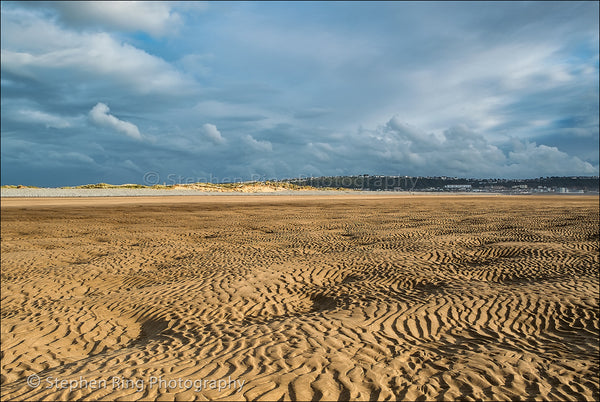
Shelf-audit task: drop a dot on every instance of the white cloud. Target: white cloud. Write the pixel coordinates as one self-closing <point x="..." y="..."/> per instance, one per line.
<point x="542" y="158"/>
<point x="49" y="120"/>
<point x="99" y="115"/>
<point x="458" y="151"/>
<point x="257" y="145"/>
<point x="37" y="48"/>
<point x="480" y="83"/>
<point x="156" y="18"/>
<point x="211" y="132"/>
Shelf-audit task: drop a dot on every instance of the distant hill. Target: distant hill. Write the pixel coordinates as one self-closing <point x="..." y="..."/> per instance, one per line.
<point x="441" y="183"/>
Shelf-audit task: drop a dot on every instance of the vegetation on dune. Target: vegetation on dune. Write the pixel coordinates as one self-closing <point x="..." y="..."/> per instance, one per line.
<point x="224" y="187"/>
<point x="253" y="185"/>
<point x="106" y="185"/>
<point x="17" y="186"/>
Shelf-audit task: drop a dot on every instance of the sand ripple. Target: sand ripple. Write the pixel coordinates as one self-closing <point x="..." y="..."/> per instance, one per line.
<point x="359" y="298"/>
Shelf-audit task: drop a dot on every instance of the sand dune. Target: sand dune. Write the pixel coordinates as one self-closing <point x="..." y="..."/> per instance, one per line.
<point x="301" y="298"/>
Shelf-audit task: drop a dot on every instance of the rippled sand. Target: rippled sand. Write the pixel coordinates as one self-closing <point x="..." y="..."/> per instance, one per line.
<point x="306" y="297"/>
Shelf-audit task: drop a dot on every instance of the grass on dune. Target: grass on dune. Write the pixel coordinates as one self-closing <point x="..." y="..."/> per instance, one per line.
<point x="198" y="186"/>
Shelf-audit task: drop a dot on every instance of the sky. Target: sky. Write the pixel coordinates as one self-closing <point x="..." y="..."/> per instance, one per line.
<point x="180" y="92"/>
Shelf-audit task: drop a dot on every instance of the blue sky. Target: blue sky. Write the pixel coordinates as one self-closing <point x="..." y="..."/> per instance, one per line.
<point x="193" y="91"/>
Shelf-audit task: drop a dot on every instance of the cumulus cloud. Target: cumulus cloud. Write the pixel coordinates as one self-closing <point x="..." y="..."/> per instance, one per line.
<point x="257" y="145"/>
<point x="530" y="157"/>
<point x="99" y="116"/>
<point x="212" y="133"/>
<point x="462" y="151"/>
<point x="37" y="48"/>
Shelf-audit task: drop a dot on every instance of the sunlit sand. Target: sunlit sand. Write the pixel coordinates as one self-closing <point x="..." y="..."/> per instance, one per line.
<point x="300" y="297"/>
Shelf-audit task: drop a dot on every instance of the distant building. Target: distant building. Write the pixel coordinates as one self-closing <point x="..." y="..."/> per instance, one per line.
<point x="562" y="190"/>
<point x="457" y="186"/>
<point x="520" y="186"/>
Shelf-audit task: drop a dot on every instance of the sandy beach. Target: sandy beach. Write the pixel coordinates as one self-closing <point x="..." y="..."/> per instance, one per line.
<point x="313" y="297"/>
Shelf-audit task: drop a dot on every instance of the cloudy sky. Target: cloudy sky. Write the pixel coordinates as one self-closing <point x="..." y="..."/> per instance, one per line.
<point x="174" y="92"/>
